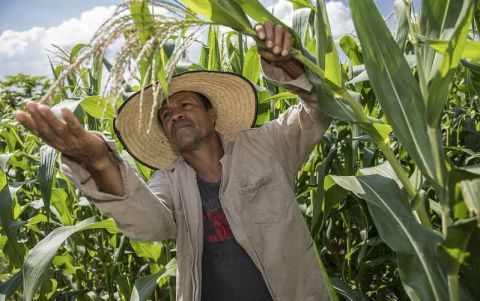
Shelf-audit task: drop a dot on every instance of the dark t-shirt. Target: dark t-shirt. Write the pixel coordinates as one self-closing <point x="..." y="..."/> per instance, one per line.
<point x="228" y="272"/>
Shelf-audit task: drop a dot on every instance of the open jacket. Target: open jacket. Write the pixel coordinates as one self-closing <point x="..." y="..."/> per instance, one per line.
<point x="256" y="194"/>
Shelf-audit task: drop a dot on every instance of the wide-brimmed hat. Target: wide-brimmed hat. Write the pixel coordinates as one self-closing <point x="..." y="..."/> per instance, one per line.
<point x="233" y="96"/>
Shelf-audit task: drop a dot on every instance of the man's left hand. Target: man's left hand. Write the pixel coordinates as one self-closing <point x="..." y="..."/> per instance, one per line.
<point x="279" y="41"/>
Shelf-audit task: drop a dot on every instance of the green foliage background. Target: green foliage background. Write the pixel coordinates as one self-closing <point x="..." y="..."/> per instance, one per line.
<point x="54" y="244"/>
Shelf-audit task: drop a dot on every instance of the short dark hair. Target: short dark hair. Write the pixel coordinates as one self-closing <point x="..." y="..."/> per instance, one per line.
<point x="205" y="101"/>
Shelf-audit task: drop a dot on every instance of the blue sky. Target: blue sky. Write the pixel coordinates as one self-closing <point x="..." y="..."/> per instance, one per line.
<point x="25" y="14"/>
<point x="28" y="28"/>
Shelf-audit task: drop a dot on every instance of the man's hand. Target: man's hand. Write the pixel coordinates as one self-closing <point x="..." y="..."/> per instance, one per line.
<point x="279" y="41"/>
<point x="68" y="136"/>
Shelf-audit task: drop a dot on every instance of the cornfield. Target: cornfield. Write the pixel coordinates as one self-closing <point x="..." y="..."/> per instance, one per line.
<point x="391" y="195"/>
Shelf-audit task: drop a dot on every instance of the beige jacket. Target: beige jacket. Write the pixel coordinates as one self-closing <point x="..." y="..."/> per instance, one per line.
<point x="256" y="193"/>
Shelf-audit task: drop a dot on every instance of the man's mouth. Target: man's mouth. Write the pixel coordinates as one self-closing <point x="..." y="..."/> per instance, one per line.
<point x="180" y="126"/>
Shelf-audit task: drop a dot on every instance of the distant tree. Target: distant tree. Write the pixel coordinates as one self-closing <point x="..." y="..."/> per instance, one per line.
<point x="15" y="89"/>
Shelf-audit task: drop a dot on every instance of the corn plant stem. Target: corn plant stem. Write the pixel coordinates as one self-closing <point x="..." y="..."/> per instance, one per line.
<point x="453" y="287"/>
<point x="331" y="290"/>
<point x="440" y="184"/>
<point x="365" y="123"/>
<point x="416" y="47"/>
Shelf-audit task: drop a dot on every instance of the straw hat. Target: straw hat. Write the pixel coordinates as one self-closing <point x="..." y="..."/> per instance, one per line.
<point x="233" y="96"/>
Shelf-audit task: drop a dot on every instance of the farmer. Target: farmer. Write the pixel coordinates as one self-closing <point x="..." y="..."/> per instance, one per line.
<point x="223" y="190"/>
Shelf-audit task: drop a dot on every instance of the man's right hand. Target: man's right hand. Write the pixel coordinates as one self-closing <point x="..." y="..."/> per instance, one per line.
<point x="68" y="135"/>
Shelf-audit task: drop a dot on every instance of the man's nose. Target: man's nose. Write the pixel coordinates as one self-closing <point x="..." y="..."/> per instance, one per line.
<point x="176" y="116"/>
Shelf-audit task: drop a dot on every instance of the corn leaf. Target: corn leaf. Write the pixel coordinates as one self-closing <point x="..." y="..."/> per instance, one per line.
<point x="39" y="257"/>
<point x="301" y="22"/>
<point x="299" y="4"/>
<point x="470" y="51"/>
<point x="471" y="194"/>
<point x="445" y="21"/>
<point x="98" y="106"/>
<point x="151" y="250"/>
<point x="46" y="174"/>
<point x="214" y="59"/>
<point x="252" y="67"/>
<point x="224" y="12"/>
<point x="351" y="50"/>
<point x="259" y="13"/>
<point x="327" y="56"/>
<point x="454" y="251"/>
<point x="8" y="287"/>
<point x="6" y="210"/>
<point x="421" y="275"/>
<point x="395" y="87"/>
<point x="401" y="13"/>
<point x="143" y="19"/>
<point x="61" y="203"/>
<point x="144" y="286"/>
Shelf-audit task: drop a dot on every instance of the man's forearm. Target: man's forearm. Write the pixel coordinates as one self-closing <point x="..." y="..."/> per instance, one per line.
<point x="106" y="174"/>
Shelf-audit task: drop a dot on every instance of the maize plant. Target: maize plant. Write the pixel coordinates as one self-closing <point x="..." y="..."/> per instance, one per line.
<point x="391" y="195"/>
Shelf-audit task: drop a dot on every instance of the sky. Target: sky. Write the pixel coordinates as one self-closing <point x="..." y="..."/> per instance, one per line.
<point x="29" y="28"/>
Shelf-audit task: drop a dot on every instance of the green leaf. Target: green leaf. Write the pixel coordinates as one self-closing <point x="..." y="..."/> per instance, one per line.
<point x="223" y="12"/>
<point x="298" y="4"/>
<point x="383" y="169"/>
<point x="346" y="291"/>
<point x="6" y="220"/>
<point x="214" y="59"/>
<point x="445" y="21"/>
<point x="470" y="51"/>
<point x="402" y="13"/>
<point x="8" y="287"/>
<point x="454" y="251"/>
<point x="327" y="56"/>
<point x="151" y="250"/>
<point x="75" y="50"/>
<point x="395" y="87"/>
<point x="39" y="257"/>
<point x="46" y="174"/>
<point x="98" y="106"/>
<point x="300" y="23"/>
<point x="143" y="20"/>
<point x="63" y="205"/>
<point x="351" y="50"/>
<point x="145" y="286"/>
<point x="471" y="194"/>
<point x="252" y="67"/>
<point x="421" y="274"/>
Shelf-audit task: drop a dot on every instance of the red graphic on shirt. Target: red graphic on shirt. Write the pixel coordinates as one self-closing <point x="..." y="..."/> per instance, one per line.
<point x="218" y="228"/>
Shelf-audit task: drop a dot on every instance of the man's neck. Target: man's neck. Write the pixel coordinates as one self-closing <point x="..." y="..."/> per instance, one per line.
<point x="205" y="159"/>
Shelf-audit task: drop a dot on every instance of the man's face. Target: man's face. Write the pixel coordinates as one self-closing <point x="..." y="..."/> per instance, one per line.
<point x="186" y="121"/>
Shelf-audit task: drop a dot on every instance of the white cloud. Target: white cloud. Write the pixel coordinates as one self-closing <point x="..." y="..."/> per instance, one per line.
<point x="283" y="10"/>
<point x="340" y="19"/>
<point x="26" y="51"/>
<point x="338" y="13"/>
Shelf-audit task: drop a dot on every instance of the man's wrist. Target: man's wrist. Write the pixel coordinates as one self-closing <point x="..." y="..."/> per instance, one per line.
<point x="102" y="164"/>
<point x="292" y="68"/>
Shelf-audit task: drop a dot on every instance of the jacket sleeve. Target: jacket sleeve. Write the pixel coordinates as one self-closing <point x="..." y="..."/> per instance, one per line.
<point x="292" y="136"/>
<point x="143" y="213"/>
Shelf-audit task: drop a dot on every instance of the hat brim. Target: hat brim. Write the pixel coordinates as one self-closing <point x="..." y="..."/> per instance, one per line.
<point x="232" y="95"/>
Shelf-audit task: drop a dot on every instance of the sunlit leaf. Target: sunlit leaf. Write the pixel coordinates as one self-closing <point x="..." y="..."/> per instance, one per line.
<point x="46" y="174"/>
<point x="415" y="246"/>
<point x="144" y="286"/>
<point x="39" y="257"/>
